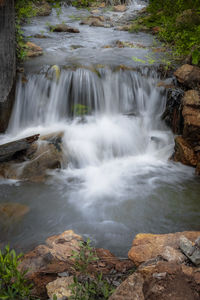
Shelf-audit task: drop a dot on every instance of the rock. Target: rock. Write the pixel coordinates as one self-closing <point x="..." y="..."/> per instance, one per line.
<point x="124" y="28"/>
<point x="184" y="152"/>
<point x="38" y="158"/>
<point x="46" y="261"/>
<point x="188" y="17"/>
<point x="42" y="8"/>
<point x="192" y="98"/>
<point x="191" y="128"/>
<point x="33" y="50"/>
<point x="130" y="289"/>
<point x="63" y="28"/>
<point x="95" y="11"/>
<point x="192" y="251"/>
<point x="96" y="23"/>
<point x="40" y="36"/>
<point x="173" y="112"/>
<point x="148" y="246"/>
<point x="60" y="287"/>
<point x="102" y="5"/>
<point x="120" y="8"/>
<point x="12" y="212"/>
<point x="156" y="29"/>
<point x="188" y="75"/>
<point x="167" y="280"/>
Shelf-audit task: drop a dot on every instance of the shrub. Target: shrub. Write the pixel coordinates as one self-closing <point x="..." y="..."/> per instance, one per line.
<point x="13" y="285"/>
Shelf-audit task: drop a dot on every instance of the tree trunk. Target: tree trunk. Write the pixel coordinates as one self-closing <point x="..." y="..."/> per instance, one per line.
<point x="7" y="61"/>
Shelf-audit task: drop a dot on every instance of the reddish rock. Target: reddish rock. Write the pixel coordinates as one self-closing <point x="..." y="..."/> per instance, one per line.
<point x="148" y="246"/>
<point x="184" y="152"/>
<point x="188" y="75"/>
<point x="130" y="289"/>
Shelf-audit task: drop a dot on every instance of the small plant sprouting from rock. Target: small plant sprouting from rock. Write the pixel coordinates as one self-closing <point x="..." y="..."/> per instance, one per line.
<point x="13" y="285"/>
<point x="88" y="286"/>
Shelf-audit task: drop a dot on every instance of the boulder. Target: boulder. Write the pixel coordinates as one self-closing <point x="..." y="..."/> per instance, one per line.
<point x="160" y="280"/>
<point x="37" y="159"/>
<point x="191" y="128"/>
<point x="184" y="153"/>
<point x="120" y="8"/>
<point x="60" y="288"/>
<point x="192" y="251"/>
<point x="63" y="28"/>
<point x="124" y="27"/>
<point x="54" y="259"/>
<point x="149" y="246"/>
<point x="33" y="50"/>
<point x="192" y="98"/>
<point x="188" y="75"/>
<point x="130" y="289"/>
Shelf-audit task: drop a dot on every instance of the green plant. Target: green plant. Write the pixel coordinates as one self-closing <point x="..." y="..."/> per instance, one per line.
<point x="86" y="286"/>
<point x="80" y="109"/>
<point x="178" y="25"/>
<point x="13" y="285"/>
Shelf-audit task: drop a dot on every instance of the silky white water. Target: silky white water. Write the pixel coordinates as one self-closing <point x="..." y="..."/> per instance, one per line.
<point x="116" y="179"/>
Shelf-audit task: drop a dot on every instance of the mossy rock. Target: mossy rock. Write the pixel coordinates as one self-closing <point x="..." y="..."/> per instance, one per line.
<point x="188" y="18"/>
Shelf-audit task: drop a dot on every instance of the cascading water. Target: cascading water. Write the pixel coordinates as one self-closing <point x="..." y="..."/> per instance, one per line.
<point x="117" y="179"/>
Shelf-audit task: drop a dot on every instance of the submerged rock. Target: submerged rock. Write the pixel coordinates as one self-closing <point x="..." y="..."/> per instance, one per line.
<point x="12" y="211"/>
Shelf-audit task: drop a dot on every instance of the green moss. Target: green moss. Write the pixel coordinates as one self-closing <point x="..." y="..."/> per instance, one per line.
<point x="178" y="22"/>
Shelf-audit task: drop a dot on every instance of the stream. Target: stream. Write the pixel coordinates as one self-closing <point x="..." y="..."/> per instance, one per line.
<point x="116" y="179"/>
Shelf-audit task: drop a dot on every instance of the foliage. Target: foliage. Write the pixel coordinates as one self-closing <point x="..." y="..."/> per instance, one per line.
<point x="178" y="24"/>
<point x="13" y="285"/>
<point x="80" y="109"/>
<point x="90" y="287"/>
<point x="82" y="3"/>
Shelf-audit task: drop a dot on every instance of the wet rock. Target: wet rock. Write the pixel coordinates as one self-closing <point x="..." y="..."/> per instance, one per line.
<point x="191" y="128"/>
<point x="120" y="8"/>
<point x="42" y="8"/>
<point x="95" y="11"/>
<point x="33" y="50"/>
<point x="188" y="75"/>
<point x="96" y="23"/>
<point x="192" y="98"/>
<point x="63" y="28"/>
<point x="184" y="152"/>
<point x="124" y="28"/>
<point x="33" y="164"/>
<point x="60" y="288"/>
<point x="40" y="36"/>
<point x="192" y="251"/>
<point x="12" y="212"/>
<point x="130" y="289"/>
<point x="173" y="112"/>
<point x="149" y="246"/>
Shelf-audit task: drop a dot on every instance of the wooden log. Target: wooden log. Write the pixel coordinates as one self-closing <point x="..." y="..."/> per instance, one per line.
<point x="9" y="149"/>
